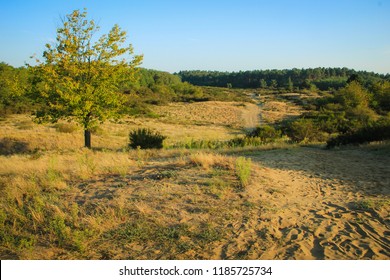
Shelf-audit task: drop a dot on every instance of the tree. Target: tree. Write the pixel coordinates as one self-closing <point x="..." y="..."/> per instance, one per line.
<point x="290" y="85"/>
<point x="382" y="96"/>
<point x="355" y="78"/>
<point x="353" y="95"/>
<point x="79" y="78"/>
<point x="274" y="84"/>
<point x="13" y="85"/>
<point x="263" y="83"/>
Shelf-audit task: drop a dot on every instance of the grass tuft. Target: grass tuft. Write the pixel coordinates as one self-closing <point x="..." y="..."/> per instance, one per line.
<point x="243" y="170"/>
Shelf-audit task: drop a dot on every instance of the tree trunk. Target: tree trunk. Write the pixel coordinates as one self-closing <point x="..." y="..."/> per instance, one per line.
<point x="87" y="138"/>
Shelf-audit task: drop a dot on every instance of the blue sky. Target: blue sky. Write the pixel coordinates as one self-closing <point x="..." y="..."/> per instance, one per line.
<point x="228" y="35"/>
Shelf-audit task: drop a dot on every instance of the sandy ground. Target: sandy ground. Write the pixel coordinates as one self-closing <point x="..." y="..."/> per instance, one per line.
<point x="302" y="203"/>
<point x="312" y="205"/>
<point x="251" y="116"/>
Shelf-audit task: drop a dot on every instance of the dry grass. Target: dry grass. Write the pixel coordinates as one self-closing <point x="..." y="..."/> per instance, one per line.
<point x="61" y="201"/>
<point x="214" y="113"/>
<point x="274" y="111"/>
<point x="73" y="205"/>
<point x="211" y="160"/>
<point x="180" y="122"/>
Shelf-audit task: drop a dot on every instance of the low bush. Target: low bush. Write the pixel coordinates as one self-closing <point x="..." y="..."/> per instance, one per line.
<point x="266" y="133"/>
<point x="220" y="144"/>
<point x="304" y="130"/>
<point x="244" y="142"/>
<point x="377" y="131"/>
<point x="65" y="127"/>
<point x="145" y="139"/>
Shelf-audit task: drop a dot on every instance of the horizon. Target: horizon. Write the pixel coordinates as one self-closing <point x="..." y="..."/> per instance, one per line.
<point x="223" y="36"/>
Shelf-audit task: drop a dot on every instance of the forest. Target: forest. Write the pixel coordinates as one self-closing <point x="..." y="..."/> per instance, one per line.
<point x="290" y="80"/>
<point x="149" y="87"/>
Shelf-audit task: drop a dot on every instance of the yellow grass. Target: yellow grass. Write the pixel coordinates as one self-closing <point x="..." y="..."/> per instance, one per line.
<point x="62" y="201"/>
<point x="209" y="160"/>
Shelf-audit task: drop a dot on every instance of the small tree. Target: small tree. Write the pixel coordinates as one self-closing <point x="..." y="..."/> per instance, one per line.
<point x="290" y="85"/>
<point x="79" y="77"/>
<point x="353" y="95"/>
<point x="13" y="84"/>
<point x="263" y="83"/>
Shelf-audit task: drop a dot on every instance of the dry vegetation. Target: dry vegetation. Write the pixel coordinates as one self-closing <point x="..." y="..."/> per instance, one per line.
<point x="203" y="113"/>
<point x="277" y="110"/>
<point x="60" y="201"/>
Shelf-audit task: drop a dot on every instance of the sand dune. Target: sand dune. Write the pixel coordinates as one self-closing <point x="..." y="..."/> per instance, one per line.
<point x="314" y="205"/>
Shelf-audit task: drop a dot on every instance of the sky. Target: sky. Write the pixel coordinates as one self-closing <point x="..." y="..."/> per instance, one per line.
<point x="228" y="35"/>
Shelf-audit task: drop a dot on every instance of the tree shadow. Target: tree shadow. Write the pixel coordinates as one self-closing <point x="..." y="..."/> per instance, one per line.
<point x="11" y="146"/>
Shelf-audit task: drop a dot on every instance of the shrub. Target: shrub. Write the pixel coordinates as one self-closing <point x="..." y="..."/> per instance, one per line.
<point x="304" y="130"/>
<point x="146" y="139"/>
<point x="244" y="142"/>
<point x="377" y="131"/>
<point x="266" y="133"/>
<point x="66" y="127"/>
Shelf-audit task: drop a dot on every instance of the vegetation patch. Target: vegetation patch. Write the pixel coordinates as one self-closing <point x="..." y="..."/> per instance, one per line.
<point x="378" y="131"/>
<point x="66" y="127"/>
<point x="146" y="139"/>
<point x="243" y="170"/>
<point x="266" y="133"/>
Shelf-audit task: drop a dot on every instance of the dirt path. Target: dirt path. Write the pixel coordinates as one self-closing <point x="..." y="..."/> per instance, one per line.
<point x="251" y="116"/>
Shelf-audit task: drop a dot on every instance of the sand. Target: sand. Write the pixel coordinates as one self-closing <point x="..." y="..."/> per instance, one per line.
<point x="314" y="205"/>
<point x="302" y="203"/>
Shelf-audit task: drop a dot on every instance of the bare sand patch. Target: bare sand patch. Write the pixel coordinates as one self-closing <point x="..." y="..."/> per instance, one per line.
<point x="314" y="204"/>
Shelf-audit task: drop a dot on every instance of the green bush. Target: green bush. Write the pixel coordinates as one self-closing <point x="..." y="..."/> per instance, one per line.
<point x="266" y="133"/>
<point x="245" y="142"/>
<point x="304" y="130"/>
<point x="377" y="131"/>
<point x="146" y="139"/>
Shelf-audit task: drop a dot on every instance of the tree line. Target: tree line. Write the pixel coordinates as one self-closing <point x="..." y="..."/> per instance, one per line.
<point x="288" y="79"/>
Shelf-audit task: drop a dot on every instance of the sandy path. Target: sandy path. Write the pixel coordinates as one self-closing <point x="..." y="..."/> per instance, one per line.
<point x="309" y="206"/>
<point x="251" y="116"/>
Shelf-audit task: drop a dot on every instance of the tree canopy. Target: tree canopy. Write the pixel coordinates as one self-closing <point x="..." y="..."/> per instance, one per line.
<point x="79" y="77"/>
<point x="289" y="79"/>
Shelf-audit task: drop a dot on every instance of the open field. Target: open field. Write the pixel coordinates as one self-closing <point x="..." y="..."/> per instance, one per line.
<point x="179" y="121"/>
<point x="60" y="201"/>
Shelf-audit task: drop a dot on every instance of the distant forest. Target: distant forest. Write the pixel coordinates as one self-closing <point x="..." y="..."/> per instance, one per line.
<point x="158" y="87"/>
<point x="150" y="87"/>
<point x="293" y="79"/>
